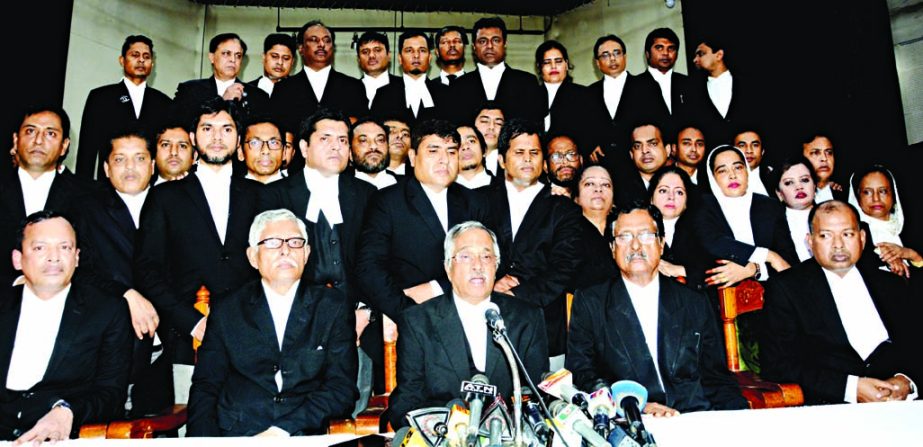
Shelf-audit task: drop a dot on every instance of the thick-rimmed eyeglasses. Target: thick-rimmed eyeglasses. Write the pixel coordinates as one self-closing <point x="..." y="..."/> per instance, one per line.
<point x="274" y="243"/>
<point x="468" y="258"/>
<point x="646" y="238"/>
<point x="605" y="56"/>
<point x="274" y="144"/>
<point x="558" y="157"/>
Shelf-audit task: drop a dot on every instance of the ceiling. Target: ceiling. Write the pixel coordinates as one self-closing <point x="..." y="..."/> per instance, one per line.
<point x="512" y="7"/>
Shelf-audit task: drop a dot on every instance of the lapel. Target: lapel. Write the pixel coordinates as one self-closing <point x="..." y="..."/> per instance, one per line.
<point x="260" y="317"/>
<point x="451" y="336"/>
<point x="311" y="101"/>
<point x="120" y="214"/>
<point x="677" y="91"/>
<point x="825" y="311"/>
<point x="669" y="327"/>
<point x="537" y="214"/>
<point x="238" y="219"/>
<point x="347" y="196"/>
<point x="298" y="194"/>
<point x="9" y="322"/>
<point x="457" y="206"/>
<point x="71" y="321"/>
<point x="300" y="324"/>
<point x="12" y="198"/>
<point x="622" y="107"/>
<point x="621" y="313"/>
<point x="501" y="212"/>
<point x="197" y="195"/>
<point x="495" y="356"/>
<point x="60" y="192"/>
<point x="479" y="83"/>
<point x="420" y="203"/>
<point x="127" y="107"/>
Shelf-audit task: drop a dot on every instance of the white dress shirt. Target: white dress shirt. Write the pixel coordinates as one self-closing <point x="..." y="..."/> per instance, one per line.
<point x="860" y="319"/>
<point x="36" y="333"/>
<point x="669" y="229"/>
<point x="520" y="201"/>
<point x="440" y="203"/>
<point x="666" y="82"/>
<point x="265" y="84"/>
<point x="325" y="196"/>
<point x="401" y="169"/>
<point x="798" y="227"/>
<point x="823" y="194"/>
<point x="475" y="326"/>
<point x="217" y="188"/>
<point x="136" y="92"/>
<point x="279" y="308"/>
<point x="35" y="191"/>
<point x="552" y="90"/>
<point x="480" y="179"/>
<point x="381" y="180"/>
<point x="223" y="85"/>
<point x="490" y="77"/>
<point x="756" y="182"/>
<point x="134" y="204"/>
<point x="719" y="90"/>
<point x="373" y="83"/>
<point x="491" y="161"/>
<point x="272" y="178"/>
<point x="612" y="91"/>
<point x="318" y="80"/>
<point x="444" y="77"/>
<point x="416" y="92"/>
<point x="646" y="301"/>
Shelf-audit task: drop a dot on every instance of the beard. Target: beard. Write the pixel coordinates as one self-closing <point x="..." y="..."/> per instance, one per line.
<point x="369" y="168"/>
<point x="453" y="62"/>
<point x="570" y="183"/>
<point x="471" y="166"/>
<point x="216" y="159"/>
<point x="417" y="71"/>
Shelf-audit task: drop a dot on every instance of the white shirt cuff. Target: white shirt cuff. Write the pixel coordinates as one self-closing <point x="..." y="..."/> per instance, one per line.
<point x="196" y="327"/>
<point x="852" y="389"/>
<point x="437" y="289"/>
<point x="759" y="255"/>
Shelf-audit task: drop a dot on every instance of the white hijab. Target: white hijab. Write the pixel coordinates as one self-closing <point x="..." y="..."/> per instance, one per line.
<point x="736" y="210"/>
<point x="882" y="230"/>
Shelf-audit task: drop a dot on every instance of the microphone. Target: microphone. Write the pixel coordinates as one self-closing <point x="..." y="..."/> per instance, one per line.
<point x="494" y="320"/>
<point x="601" y="409"/>
<point x="630" y="397"/>
<point x="568" y="415"/>
<point x="497" y="411"/>
<point x="535" y="421"/>
<point x="619" y="438"/>
<point x="496" y="430"/>
<point x="430" y="423"/>
<point x="560" y="385"/>
<point x="457" y="424"/>
<point x="475" y="392"/>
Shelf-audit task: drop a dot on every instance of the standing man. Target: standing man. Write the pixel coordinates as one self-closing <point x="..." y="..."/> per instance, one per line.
<point x="114" y="108"/>
<point x="369" y="153"/>
<point x="413" y="94"/>
<point x="721" y="99"/>
<point x="489" y="120"/>
<point x="226" y="53"/>
<point x="515" y="91"/>
<point x="454" y="323"/>
<point x="317" y="85"/>
<point x="374" y="54"/>
<point x="540" y="234"/>
<point x="278" y="58"/>
<point x="619" y="101"/>
<point x="690" y="151"/>
<point x="648" y="153"/>
<point x="472" y="174"/>
<point x="279" y="359"/>
<point x="450" y="43"/>
<point x="193" y="233"/>
<point x="66" y="345"/>
<point x="750" y="143"/>
<point x="648" y="328"/>
<point x="661" y="48"/>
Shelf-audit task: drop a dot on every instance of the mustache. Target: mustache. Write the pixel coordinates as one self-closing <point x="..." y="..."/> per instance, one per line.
<point x="636" y="255"/>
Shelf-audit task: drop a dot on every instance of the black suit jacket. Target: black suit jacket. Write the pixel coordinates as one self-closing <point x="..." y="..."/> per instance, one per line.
<point x="613" y="134"/>
<point x="742" y="111"/>
<point x="606" y="342"/>
<point x="390" y="100"/>
<point x="293" y="99"/>
<point x="679" y="97"/>
<point x="179" y="250"/>
<point x="568" y="114"/>
<point x="402" y="241"/>
<point x="545" y="256"/>
<point x="767" y="219"/>
<point x="107" y="235"/>
<point x="234" y="392"/>
<point x="518" y="94"/>
<point x="433" y="353"/>
<point x="108" y="111"/>
<point x="292" y="194"/>
<point x="190" y="95"/>
<point x="805" y="341"/>
<point x="89" y="365"/>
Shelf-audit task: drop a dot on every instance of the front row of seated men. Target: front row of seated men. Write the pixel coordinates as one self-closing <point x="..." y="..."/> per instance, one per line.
<point x="280" y="354"/>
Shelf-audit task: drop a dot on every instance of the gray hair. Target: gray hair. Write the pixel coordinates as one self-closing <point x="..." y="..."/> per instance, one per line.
<point x="457" y="230"/>
<point x="266" y="217"/>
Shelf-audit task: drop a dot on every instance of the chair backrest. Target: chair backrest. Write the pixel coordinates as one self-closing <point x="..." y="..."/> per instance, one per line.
<point x="733" y="301"/>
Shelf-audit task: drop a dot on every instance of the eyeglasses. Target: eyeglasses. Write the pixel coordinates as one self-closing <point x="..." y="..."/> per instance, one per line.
<point x="605" y="56"/>
<point x="558" y="157"/>
<point x="275" y="243"/>
<point x="646" y="238"/>
<point x="468" y="258"/>
<point x="256" y="144"/>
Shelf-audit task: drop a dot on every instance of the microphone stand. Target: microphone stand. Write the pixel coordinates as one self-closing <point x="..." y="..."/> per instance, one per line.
<point x="501" y="338"/>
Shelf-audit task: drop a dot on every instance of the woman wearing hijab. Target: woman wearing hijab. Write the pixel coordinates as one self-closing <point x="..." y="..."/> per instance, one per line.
<point x="564" y="100"/>
<point x="670" y="191"/>
<point x="746" y="234"/>
<point x="874" y="193"/>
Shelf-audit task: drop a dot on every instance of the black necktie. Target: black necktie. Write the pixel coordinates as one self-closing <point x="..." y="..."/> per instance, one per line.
<point x="451" y="78"/>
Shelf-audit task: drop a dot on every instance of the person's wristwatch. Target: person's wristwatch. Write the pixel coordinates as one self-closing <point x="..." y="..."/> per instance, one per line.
<point x="62" y="404"/>
<point x="756" y="275"/>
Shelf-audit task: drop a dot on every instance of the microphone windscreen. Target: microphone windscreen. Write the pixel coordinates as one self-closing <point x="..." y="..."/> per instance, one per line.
<point x="480" y="378"/>
<point x="628" y="388"/>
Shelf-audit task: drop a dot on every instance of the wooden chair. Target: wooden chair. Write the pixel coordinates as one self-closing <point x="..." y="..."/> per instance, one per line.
<point x="168" y="421"/>
<point x="733" y="301"/>
<point x="370" y="421"/>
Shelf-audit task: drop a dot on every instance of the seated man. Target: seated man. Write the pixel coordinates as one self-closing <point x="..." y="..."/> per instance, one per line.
<point x="455" y="324"/>
<point x="258" y="375"/>
<point x="839" y="329"/>
<point x="619" y="327"/>
<point x="66" y="346"/>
